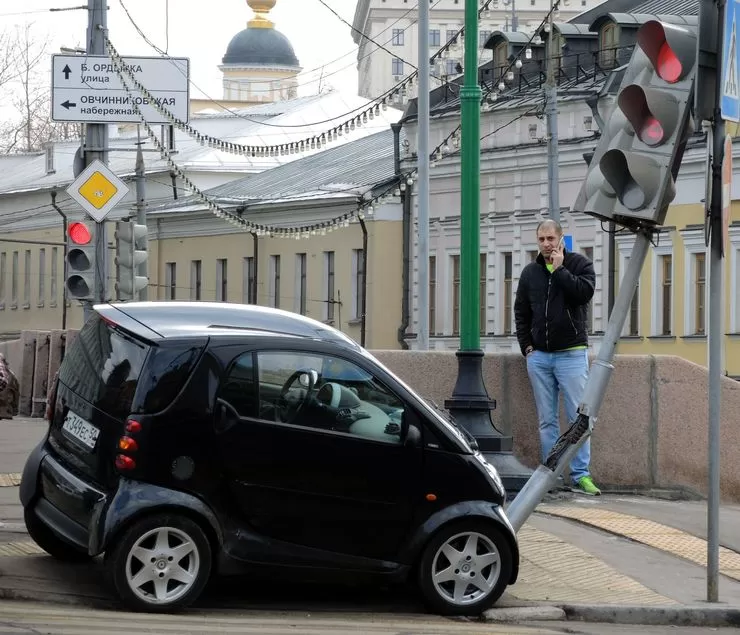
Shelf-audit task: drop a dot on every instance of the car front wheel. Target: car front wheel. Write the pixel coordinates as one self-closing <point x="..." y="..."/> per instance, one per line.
<point x="465" y="568"/>
<point x="160" y="564"/>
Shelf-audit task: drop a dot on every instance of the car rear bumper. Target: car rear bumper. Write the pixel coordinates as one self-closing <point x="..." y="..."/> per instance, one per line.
<point x="68" y="505"/>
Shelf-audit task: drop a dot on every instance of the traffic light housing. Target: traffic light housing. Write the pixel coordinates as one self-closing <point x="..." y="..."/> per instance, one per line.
<point x="81" y="261"/>
<point x="131" y="251"/>
<point x="631" y="179"/>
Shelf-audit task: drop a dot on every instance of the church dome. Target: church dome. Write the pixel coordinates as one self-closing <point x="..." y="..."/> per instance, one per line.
<point x="260" y="44"/>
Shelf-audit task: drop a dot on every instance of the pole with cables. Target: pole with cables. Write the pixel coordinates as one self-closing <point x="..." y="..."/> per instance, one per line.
<point x="551" y="112"/>
<point x="423" y="187"/>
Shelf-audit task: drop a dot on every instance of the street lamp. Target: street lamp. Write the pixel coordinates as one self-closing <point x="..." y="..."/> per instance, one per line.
<point x="470" y="404"/>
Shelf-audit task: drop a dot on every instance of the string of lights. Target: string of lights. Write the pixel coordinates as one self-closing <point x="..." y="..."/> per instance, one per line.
<point x="364" y="206"/>
<point x="311" y="143"/>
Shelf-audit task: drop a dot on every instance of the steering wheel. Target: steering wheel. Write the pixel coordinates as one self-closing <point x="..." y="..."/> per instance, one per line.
<point x="289" y="409"/>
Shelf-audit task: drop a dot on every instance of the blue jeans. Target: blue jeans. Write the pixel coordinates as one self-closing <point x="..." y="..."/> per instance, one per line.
<point x="550" y="373"/>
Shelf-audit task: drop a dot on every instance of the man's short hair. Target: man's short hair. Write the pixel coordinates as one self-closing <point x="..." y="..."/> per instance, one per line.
<point x="549" y="222"/>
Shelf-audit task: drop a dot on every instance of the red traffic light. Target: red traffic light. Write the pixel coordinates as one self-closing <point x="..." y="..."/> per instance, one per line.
<point x="653" y="114"/>
<point x="79" y="234"/>
<point x="669" y="66"/>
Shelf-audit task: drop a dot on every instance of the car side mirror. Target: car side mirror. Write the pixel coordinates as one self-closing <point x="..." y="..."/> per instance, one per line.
<point x="413" y="437"/>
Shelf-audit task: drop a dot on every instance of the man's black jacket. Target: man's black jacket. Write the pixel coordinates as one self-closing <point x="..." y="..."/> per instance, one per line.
<point x="551" y="309"/>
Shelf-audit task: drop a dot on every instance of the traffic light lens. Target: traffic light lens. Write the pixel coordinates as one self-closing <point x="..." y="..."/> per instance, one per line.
<point x="652" y="132"/>
<point x="79" y="233"/>
<point x="669" y="66"/>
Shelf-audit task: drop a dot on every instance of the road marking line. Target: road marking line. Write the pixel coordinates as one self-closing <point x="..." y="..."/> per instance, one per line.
<point x="669" y="539"/>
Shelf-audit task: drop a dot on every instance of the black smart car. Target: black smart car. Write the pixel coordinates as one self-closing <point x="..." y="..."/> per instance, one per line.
<point x="188" y="439"/>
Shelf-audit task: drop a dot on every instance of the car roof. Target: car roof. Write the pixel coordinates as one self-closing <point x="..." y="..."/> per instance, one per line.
<point x="164" y="320"/>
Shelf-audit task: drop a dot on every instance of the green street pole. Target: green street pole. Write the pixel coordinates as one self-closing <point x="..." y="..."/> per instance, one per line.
<point x="470" y="404"/>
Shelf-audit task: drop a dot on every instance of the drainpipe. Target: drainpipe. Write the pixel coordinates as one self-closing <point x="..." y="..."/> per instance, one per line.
<point x="406" y="231"/>
<point x="64" y="267"/>
<point x="363" y="322"/>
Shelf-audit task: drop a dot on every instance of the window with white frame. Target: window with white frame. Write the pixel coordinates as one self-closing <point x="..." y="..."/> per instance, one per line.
<point x="695" y="283"/>
<point x="661" y="315"/>
<point x="300" y="283"/>
<point x="398" y="37"/>
<point x="632" y="323"/>
<point x="54" y="273"/>
<point x="508" y="292"/>
<point x="42" y="276"/>
<point x="455" y="290"/>
<point x="483" y="291"/>
<point x="275" y="281"/>
<point x="329" y="285"/>
<point x="222" y="283"/>
<point x="732" y="289"/>
<point x="27" y="279"/>
<point x="196" y="280"/>
<point x="170" y="280"/>
<point x="358" y="282"/>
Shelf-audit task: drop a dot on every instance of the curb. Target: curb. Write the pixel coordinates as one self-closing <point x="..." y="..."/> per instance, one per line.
<point x="523" y="614"/>
<point x="667" y="615"/>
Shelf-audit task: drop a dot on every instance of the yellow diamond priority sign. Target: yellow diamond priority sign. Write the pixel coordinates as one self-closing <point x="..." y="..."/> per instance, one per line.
<point x="98" y="190"/>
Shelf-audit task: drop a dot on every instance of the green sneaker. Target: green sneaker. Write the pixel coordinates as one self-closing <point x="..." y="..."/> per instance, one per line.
<point x="585" y="485"/>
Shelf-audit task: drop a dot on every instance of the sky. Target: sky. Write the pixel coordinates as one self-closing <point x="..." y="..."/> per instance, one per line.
<point x="201" y="30"/>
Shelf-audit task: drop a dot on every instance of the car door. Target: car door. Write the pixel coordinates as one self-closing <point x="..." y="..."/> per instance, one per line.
<point x="319" y="479"/>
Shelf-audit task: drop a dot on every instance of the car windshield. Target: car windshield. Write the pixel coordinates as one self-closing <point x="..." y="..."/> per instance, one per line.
<point x="442" y="416"/>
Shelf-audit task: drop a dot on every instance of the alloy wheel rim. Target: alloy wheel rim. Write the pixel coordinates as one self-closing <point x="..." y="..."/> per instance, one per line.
<point x="163" y="565"/>
<point x="465" y="568"/>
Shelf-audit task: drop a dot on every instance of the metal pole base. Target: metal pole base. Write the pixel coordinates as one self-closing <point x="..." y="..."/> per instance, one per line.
<point x="471" y="407"/>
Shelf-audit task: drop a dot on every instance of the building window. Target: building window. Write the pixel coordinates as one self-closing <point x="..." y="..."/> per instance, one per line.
<point x="330" y="291"/>
<point x="483" y="38"/>
<point x="501" y="58"/>
<point x="508" y="292"/>
<point x="432" y="293"/>
<point x="396" y="66"/>
<point x="451" y="35"/>
<point x="358" y="285"/>
<point x="532" y="255"/>
<point x="27" y="279"/>
<point x="451" y="67"/>
<point x="608" y="43"/>
<point x="222" y="284"/>
<point x="300" y="275"/>
<point x="14" y="282"/>
<point x="434" y="37"/>
<point x="3" y="275"/>
<point x="249" y="285"/>
<point x="196" y="280"/>
<point x="398" y="37"/>
<point x="589" y="253"/>
<point x="700" y="286"/>
<point x="42" y="276"/>
<point x="483" y="292"/>
<point x="456" y="295"/>
<point x="666" y="297"/>
<point x="633" y="324"/>
<point x="54" y="274"/>
<point x="275" y="281"/>
<point x="170" y="280"/>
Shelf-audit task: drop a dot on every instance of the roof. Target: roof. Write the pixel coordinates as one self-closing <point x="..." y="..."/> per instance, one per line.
<point x="164" y="320"/>
<point x="346" y="171"/>
<point x="260" y="47"/>
<point x="617" y="6"/>
<point x="672" y="7"/>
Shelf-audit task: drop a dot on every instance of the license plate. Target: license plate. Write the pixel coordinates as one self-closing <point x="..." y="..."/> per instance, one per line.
<point x="84" y="432"/>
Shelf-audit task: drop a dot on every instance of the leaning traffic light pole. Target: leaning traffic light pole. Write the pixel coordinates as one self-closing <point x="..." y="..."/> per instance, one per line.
<point x="631" y="181"/>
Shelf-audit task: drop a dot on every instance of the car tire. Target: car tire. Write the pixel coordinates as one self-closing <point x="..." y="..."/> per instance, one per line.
<point x="52" y="544"/>
<point x="160" y="564"/>
<point x="465" y="568"/>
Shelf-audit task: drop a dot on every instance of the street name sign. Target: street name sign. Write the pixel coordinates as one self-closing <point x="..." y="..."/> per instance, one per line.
<point x="730" y="101"/>
<point x="98" y="190"/>
<point x="87" y="89"/>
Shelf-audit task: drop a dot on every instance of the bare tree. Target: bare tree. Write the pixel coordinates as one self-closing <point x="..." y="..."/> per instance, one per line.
<point x="28" y="93"/>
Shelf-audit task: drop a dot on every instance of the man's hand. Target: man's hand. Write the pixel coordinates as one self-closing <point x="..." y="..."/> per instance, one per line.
<point x="556" y="257"/>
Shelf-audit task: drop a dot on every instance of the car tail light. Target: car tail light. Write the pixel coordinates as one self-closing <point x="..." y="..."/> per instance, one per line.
<point x="124" y="462"/>
<point x="127" y="444"/>
<point x="133" y="426"/>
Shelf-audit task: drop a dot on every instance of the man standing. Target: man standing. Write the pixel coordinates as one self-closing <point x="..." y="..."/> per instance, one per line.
<point x="550" y="311"/>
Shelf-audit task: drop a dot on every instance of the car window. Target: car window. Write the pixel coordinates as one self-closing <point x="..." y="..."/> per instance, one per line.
<point x="239" y="388"/>
<point x="345" y="398"/>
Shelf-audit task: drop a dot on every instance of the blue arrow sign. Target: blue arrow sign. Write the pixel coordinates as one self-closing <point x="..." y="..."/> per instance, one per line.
<point x="730" y="103"/>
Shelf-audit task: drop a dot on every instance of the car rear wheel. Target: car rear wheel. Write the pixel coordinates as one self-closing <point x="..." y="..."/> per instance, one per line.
<point x="465" y="568"/>
<point x="51" y="543"/>
<point x="160" y="564"/>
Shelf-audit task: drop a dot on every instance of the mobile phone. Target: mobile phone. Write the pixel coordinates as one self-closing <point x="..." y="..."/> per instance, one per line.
<point x="561" y="243"/>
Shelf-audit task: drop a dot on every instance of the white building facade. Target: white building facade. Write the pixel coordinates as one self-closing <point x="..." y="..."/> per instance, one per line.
<point x="392" y="23"/>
